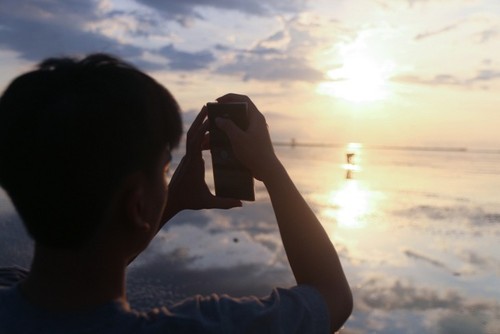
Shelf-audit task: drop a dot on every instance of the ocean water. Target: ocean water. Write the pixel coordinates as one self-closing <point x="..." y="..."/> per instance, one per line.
<point x="417" y="232"/>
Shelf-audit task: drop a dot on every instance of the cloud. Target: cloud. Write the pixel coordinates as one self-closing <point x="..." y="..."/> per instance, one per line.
<point x="403" y="295"/>
<point x="450" y="322"/>
<point x="481" y="77"/>
<point x="472" y="215"/>
<point x="185" y="11"/>
<point x="207" y="239"/>
<point x="485" y="75"/>
<point x="67" y="12"/>
<point x="280" y="56"/>
<point x="433" y="33"/>
<point x="166" y="281"/>
<point x="50" y="28"/>
<point x="392" y="305"/>
<point x="275" y="69"/>
<point x="216" y="251"/>
<point x="417" y="256"/>
<point x="187" y="61"/>
<point x="37" y="30"/>
<point x="389" y="295"/>
<point x="411" y="3"/>
<point x="488" y="35"/>
<point x="35" y="40"/>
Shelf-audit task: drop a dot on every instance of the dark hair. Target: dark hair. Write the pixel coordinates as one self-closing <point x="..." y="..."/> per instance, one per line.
<point x="70" y="132"/>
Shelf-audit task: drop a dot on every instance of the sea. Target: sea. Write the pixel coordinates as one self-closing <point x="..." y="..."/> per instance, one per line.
<point x="417" y="230"/>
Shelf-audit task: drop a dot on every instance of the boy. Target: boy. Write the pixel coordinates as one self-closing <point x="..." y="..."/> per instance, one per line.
<point x="84" y="148"/>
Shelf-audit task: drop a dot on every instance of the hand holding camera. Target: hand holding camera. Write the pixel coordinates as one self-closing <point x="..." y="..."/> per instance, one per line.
<point x="253" y="146"/>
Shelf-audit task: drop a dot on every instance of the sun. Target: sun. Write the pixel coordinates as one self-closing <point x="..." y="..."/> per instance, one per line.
<point x="361" y="77"/>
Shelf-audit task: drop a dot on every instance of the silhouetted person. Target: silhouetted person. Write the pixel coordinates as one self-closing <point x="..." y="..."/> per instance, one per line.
<point x="350" y="158"/>
<point x="84" y="147"/>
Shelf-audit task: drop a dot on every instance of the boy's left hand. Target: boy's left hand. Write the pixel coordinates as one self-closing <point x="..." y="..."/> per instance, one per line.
<point x="187" y="188"/>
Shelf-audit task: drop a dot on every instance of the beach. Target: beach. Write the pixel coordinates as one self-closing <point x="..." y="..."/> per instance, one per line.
<point x="417" y="232"/>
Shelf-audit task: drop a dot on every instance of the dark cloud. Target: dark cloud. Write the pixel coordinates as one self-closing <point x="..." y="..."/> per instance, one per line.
<point x="37" y="30"/>
<point x="45" y="28"/>
<point x="183" y="11"/>
<point x="275" y="69"/>
<point x="68" y="12"/>
<point x="35" y="40"/>
<point x="258" y="50"/>
<point x="417" y="256"/>
<point x="41" y="29"/>
<point x="186" y="61"/>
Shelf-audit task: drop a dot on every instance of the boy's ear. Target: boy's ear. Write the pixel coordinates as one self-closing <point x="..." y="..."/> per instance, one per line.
<point x="134" y="202"/>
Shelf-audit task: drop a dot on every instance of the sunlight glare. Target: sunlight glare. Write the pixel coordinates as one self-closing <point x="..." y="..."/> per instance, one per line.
<point x="361" y="78"/>
<point x="353" y="202"/>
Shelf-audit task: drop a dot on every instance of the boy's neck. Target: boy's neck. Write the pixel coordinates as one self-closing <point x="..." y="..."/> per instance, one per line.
<point x="68" y="280"/>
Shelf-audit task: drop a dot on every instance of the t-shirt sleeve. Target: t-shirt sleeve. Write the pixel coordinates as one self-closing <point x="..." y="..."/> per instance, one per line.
<point x="10" y="276"/>
<point x="300" y="309"/>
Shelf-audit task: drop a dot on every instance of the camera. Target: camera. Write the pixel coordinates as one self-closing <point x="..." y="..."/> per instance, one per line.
<point x="231" y="178"/>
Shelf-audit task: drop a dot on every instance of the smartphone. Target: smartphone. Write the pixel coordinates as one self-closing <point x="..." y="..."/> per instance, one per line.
<point x="231" y="178"/>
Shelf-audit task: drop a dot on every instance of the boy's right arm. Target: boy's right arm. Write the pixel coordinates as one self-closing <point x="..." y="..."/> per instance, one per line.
<point x="312" y="256"/>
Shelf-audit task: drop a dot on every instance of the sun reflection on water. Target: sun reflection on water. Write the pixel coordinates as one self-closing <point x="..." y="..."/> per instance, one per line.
<point x="351" y="202"/>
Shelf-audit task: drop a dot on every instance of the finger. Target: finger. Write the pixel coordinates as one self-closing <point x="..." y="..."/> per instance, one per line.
<point x="198" y="121"/>
<point x="200" y="135"/>
<point x="232" y="97"/>
<point x="195" y="140"/>
<point x="205" y="144"/>
<point x="225" y="203"/>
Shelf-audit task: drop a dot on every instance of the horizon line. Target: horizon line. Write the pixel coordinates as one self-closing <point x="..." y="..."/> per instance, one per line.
<point x="293" y="143"/>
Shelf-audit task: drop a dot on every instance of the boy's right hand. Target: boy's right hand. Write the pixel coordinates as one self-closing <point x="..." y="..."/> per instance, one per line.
<point x="253" y="147"/>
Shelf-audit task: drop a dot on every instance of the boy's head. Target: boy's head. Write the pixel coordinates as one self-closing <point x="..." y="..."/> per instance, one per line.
<point x="70" y="132"/>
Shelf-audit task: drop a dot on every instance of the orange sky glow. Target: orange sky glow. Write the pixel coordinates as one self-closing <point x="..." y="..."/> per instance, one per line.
<point x="403" y="72"/>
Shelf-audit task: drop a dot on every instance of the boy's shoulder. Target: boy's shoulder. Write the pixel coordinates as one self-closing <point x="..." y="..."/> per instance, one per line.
<point x="297" y="310"/>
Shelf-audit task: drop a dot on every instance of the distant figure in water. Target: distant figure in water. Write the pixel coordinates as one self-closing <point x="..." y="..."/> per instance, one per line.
<point x="85" y="145"/>
<point x="350" y="158"/>
<point x="350" y="165"/>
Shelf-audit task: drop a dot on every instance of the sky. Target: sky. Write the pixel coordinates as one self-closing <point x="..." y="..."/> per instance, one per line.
<point x="378" y="72"/>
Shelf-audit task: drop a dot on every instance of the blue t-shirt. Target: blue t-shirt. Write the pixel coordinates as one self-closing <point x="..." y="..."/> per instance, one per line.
<point x="300" y="309"/>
